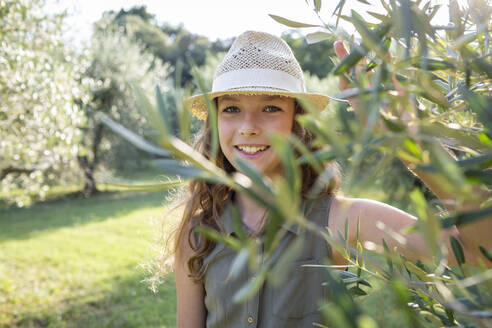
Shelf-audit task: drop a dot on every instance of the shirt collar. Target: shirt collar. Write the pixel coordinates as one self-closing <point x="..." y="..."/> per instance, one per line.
<point x="228" y="222"/>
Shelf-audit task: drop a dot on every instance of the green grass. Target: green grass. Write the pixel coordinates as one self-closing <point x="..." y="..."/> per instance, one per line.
<point x="75" y="263"/>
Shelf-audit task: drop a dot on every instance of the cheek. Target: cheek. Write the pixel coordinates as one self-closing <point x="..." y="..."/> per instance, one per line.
<point x="283" y="127"/>
<point x="287" y="124"/>
<point x="224" y="133"/>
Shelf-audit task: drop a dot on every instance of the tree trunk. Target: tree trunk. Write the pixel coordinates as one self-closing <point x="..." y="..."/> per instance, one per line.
<point x="90" y="186"/>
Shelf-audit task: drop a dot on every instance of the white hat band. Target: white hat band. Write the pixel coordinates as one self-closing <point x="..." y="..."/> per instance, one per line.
<point x="267" y="78"/>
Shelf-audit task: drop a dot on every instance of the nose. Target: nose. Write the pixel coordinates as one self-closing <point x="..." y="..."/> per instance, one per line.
<point x="249" y="127"/>
<point x="249" y="132"/>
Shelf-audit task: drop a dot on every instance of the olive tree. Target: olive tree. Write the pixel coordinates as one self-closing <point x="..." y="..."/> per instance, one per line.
<point x="39" y="120"/>
<point x="118" y="66"/>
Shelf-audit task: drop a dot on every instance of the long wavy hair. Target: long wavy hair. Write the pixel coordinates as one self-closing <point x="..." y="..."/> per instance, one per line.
<point x="205" y="201"/>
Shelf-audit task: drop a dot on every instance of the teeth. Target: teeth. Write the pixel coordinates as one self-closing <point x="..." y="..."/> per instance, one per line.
<point x="251" y="149"/>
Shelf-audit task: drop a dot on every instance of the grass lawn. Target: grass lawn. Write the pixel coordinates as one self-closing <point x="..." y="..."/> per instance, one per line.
<point x="75" y="263"/>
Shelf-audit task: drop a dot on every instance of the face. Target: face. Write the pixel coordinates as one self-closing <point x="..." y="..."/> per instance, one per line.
<point x="244" y="124"/>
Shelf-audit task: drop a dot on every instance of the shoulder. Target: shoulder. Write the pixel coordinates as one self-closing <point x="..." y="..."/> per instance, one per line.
<point x="368" y="212"/>
<point x="361" y="206"/>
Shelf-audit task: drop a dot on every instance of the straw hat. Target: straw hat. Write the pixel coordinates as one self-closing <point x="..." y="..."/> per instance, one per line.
<point x="257" y="63"/>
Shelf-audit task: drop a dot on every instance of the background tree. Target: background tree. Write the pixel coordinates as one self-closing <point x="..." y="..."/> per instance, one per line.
<point x="39" y="121"/>
<point x="172" y="44"/>
<point x="118" y="64"/>
<point x="314" y="58"/>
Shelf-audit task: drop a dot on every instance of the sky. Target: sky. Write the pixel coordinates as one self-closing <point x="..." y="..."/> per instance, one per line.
<point x="212" y="18"/>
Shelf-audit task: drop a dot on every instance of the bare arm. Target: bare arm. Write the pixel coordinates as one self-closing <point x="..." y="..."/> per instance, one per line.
<point x="190" y="295"/>
<point x="373" y="215"/>
<point x="474" y="234"/>
<point x="471" y="235"/>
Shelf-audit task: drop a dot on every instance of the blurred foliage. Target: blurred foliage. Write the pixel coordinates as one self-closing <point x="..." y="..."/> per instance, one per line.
<point x="115" y="65"/>
<point x="39" y="120"/>
<point x="171" y="44"/>
<point x="313" y="58"/>
<point x="444" y="77"/>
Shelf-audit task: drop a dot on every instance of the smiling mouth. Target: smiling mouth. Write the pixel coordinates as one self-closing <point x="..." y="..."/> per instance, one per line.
<point x="251" y="150"/>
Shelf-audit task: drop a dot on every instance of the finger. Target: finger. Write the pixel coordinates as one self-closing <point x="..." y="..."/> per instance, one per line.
<point x="341" y="52"/>
<point x="343" y="82"/>
<point x="340" y="49"/>
<point x="398" y="87"/>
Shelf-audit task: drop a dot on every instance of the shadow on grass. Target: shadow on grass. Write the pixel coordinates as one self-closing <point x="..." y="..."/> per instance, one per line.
<point x="128" y="303"/>
<point x="21" y="223"/>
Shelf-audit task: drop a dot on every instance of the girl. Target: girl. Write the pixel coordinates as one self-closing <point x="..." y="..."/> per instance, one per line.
<point x="255" y="90"/>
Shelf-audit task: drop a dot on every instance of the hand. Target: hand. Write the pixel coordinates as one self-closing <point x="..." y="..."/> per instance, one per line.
<point x="407" y="117"/>
<point x="472" y="235"/>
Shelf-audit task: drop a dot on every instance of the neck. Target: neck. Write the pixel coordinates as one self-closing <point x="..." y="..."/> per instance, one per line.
<point x="252" y="213"/>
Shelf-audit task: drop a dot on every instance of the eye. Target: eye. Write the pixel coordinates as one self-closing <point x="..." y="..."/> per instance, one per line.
<point x="231" y="109"/>
<point x="272" y="109"/>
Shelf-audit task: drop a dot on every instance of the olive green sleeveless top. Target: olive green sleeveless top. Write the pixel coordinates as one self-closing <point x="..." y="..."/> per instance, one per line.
<point x="295" y="303"/>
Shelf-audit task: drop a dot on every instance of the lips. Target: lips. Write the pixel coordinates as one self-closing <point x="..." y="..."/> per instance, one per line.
<point x="251" y="151"/>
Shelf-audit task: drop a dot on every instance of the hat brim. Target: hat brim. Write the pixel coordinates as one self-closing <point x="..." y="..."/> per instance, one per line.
<point x="198" y="103"/>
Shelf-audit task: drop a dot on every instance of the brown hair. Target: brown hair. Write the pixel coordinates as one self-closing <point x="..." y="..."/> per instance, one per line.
<point x="206" y="201"/>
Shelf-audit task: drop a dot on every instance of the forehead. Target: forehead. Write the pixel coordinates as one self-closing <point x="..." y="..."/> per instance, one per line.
<point x="254" y="98"/>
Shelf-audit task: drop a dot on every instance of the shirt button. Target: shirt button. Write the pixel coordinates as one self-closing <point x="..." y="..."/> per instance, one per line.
<point x="250" y="320"/>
